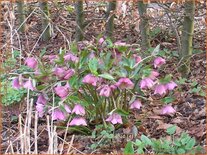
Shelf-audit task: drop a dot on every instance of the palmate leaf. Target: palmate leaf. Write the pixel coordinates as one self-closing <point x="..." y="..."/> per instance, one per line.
<point x="146" y="140"/>
<point x="93" y="66"/>
<point x="156" y="50"/>
<point x="129" y="149"/>
<point x="106" y="76"/>
<point x="171" y="130"/>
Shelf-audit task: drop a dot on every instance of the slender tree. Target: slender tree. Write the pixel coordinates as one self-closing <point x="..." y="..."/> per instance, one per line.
<point x="45" y="20"/>
<point x="187" y="36"/>
<point x="110" y="18"/>
<point x="79" y="20"/>
<point x="21" y="15"/>
<point x="144" y="25"/>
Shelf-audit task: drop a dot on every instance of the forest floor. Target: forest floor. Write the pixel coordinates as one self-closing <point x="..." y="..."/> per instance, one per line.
<point x="189" y="104"/>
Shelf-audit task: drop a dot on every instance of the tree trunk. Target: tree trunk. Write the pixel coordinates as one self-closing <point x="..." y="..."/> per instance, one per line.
<point x="187" y="36"/>
<point x="144" y="25"/>
<point x="110" y="18"/>
<point x="45" y="21"/>
<point x="79" y="20"/>
<point x="21" y="15"/>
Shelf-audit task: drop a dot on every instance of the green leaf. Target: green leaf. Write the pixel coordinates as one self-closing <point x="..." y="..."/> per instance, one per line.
<point x="146" y="140"/>
<point x="94" y="146"/>
<point x="168" y="100"/>
<point x="122" y="112"/>
<point x="43" y="51"/>
<point x="180" y="151"/>
<point x="194" y="83"/>
<point x="76" y="99"/>
<point x="177" y="142"/>
<point x="147" y="72"/>
<point x="74" y="48"/>
<point x="140" y="150"/>
<point x="190" y="144"/>
<point x="166" y="79"/>
<point x="106" y="76"/>
<point x="41" y="87"/>
<point x="171" y="130"/>
<point x="138" y="142"/>
<point x="93" y="65"/>
<point x="129" y="149"/>
<point x="156" y="50"/>
<point x="182" y="81"/>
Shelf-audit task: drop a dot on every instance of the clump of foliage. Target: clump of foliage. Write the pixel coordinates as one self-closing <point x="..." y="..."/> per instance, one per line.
<point x="180" y="145"/>
<point x="11" y="96"/>
<point x="101" y="83"/>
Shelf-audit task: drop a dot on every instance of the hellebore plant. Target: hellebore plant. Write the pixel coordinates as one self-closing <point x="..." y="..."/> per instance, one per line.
<point x="98" y="84"/>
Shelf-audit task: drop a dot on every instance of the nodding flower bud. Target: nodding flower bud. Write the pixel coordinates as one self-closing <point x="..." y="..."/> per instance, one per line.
<point x="79" y="110"/>
<point x="114" y="119"/>
<point x="62" y="91"/>
<point x="77" y="121"/>
<point x="16" y="83"/>
<point x="168" y="109"/>
<point x="29" y="85"/>
<point x="90" y="79"/>
<point x="146" y="83"/>
<point x="160" y="89"/>
<point x="159" y="61"/>
<point x="105" y="91"/>
<point x="58" y="115"/>
<point x="153" y="75"/>
<point x="41" y="99"/>
<point x="40" y="109"/>
<point x="70" y="57"/>
<point x="171" y="85"/>
<point x="31" y="62"/>
<point x="67" y="108"/>
<point x="125" y="83"/>
<point x="135" y="105"/>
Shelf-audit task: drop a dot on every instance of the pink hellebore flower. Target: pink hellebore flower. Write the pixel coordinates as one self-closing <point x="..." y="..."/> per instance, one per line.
<point x="146" y="83"/>
<point x="31" y="62"/>
<point x="113" y="87"/>
<point x="135" y="105"/>
<point x="58" y="115"/>
<point x="40" y="109"/>
<point x="137" y="58"/>
<point x="69" y="73"/>
<point x="59" y="72"/>
<point x="91" y="55"/>
<point x="105" y="91"/>
<point x="160" y="89"/>
<point x="52" y="58"/>
<point x="168" y="109"/>
<point x="79" y="110"/>
<point x="125" y="83"/>
<point x="62" y="91"/>
<point x="41" y="99"/>
<point x="37" y="72"/>
<point x="90" y="79"/>
<point x="67" y="108"/>
<point x="16" y="83"/>
<point x="171" y="85"/>
<point x="159" y="61"/>
<point x="77" y="121"/>
<point x="29" y="85"/>
<point x="70" y="57"/>
<point x="153" y="75"/>
<point x="63" y="74"/>
<point x="101" y="40"/>
<point x="114" y="119"/>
